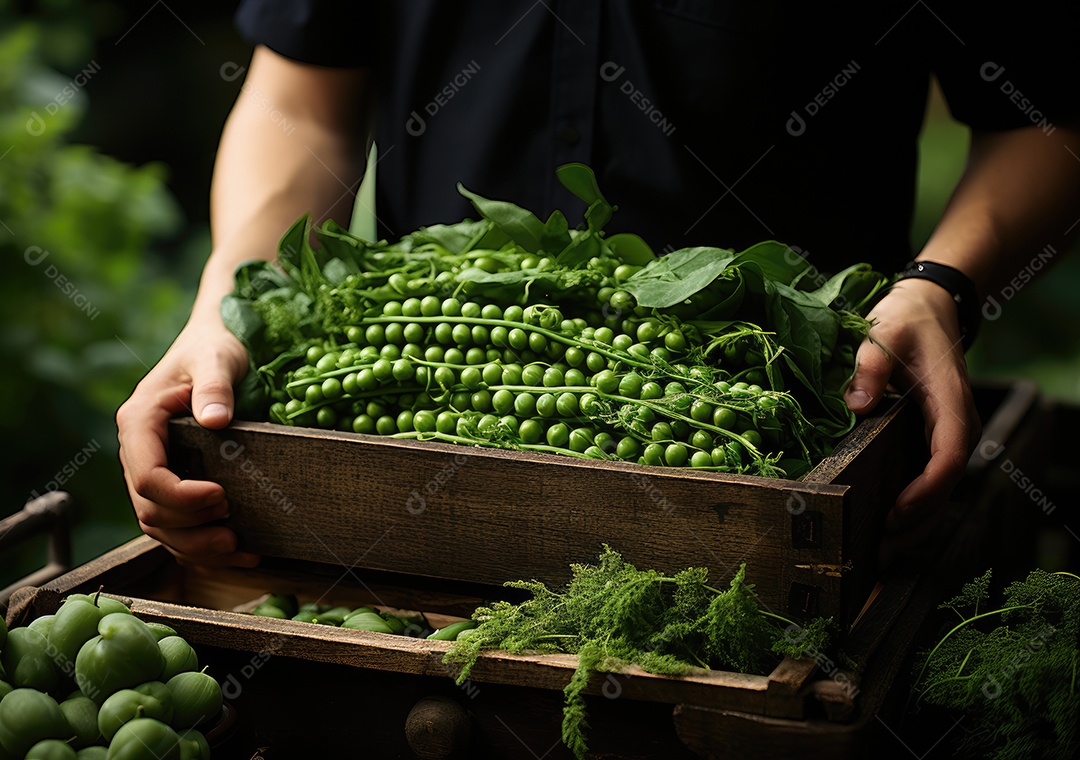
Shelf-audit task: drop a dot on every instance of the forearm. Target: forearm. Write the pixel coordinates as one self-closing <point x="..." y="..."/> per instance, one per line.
<point x="1016" y="196"/>
<point x="270" y="171"/>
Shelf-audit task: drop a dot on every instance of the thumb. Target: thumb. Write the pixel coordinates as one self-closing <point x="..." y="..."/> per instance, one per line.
<point x="873" y="368"/>
<point x="212" y="394"/>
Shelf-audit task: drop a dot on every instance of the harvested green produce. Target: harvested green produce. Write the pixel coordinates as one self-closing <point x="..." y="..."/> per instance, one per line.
<point x="104" y="662"/>
<point x="518" y="333"/>
<point x="1015" y="682"/>
<point x="357" y="619"/>
<point x="613" y="614"/>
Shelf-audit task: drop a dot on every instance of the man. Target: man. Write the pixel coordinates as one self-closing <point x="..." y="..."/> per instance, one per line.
<point x="708" y="123"/>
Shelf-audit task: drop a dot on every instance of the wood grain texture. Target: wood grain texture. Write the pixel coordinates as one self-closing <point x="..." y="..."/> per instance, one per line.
<point x="488" y="516"/>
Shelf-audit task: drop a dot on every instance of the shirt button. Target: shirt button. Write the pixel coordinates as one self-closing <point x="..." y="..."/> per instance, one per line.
<point x="569" y="136"/>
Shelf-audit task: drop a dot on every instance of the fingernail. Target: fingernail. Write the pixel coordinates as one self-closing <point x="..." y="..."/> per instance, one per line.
<point x="211" y="411"/>
<point x="858" y="398"/>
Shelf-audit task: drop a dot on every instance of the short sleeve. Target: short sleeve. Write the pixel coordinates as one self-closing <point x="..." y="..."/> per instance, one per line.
<point x="319" y="32"/>
<point x="1005" y="70"/>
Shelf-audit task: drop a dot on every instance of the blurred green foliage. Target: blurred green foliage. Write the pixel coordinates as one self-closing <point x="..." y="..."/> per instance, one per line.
<point x="86" y="306"/>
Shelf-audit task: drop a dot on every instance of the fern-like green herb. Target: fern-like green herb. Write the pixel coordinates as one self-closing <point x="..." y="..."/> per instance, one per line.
<point x="613" y="614"/>
<point x="1012" y="670"/>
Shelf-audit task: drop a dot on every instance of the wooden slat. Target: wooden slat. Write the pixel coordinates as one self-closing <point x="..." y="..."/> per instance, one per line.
<point x="487" y="516"/>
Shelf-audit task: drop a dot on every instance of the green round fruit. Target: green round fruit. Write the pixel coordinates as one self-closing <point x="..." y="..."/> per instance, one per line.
<point x="51" y="749"/>
<point x="26" y="717"/>
<point x="127" y="705"/>
<point x="81" y="714"/>
<point x="144" y="739"/>
<point x="193" y="746"/>
<point x="196" y="697"/>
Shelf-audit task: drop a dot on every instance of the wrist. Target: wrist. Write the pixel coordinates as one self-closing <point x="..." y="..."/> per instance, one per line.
<point x="957" y="286"/>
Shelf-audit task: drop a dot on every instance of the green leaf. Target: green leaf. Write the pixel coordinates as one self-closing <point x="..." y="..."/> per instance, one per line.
<point x="630" y="249"/>
<point x="580" y="180"/>
<point x="520" y="225"/>
<point x="675" y="277"/>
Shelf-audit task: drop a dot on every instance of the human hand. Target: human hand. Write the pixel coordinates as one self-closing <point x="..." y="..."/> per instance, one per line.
<point x="915" y="345"/>
<point x="197" y="373"/>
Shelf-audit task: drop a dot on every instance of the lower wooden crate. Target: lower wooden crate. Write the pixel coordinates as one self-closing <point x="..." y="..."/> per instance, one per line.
<point x="297" y="687"/>
<point x="302" y="690"/>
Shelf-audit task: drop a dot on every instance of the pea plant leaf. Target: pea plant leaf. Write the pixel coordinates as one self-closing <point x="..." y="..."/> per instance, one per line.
<point x="674" y="278"/>
<point x="520" y="225"/>
<point x="630" y="249"/>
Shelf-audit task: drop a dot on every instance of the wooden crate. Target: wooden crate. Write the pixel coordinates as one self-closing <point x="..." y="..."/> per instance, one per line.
<point x="299" y="688"/>
<point x="484" y="516"/>
<point x="507" y="698"/>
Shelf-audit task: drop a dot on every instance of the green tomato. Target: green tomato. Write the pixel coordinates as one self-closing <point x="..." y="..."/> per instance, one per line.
<point x="193" y="746"/>
<point x="27" y="662"/>
<point x="43" y="624"/>
<point x="179" y="655"/>
<point x="160" y="630"/>
<point x="26" y="717"/>
<point x="144" y="739"/>
<point x="51" y="749"/>
<point x="123" y="654"/>
<point x="81" y="714"/>
<point x="127" y="705"/>
<point x="196" y="697"/>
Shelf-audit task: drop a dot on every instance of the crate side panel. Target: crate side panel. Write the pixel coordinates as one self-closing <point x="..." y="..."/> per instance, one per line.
<point x="490" y="516"/>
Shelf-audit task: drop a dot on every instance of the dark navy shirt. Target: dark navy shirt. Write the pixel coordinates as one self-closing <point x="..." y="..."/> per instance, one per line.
<point x="709" y="122"/>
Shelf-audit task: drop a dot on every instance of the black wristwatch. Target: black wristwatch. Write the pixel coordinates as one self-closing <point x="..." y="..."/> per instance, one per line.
<point x="959" y="286"/>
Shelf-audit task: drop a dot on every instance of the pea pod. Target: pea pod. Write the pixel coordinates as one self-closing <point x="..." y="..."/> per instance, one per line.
<point x="144" y="739"/>
<point x="450" y="632"/>
<point x="368" y="621"/>
<point x="26" y="717"/>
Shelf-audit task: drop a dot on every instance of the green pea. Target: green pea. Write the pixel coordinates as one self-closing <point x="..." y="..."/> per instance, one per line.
<point x="545" y="405"/>
<point x="386" y="425"/>
<point x="628" y="448"/>
<point x="530" y="431"/>
<point x="651" y="390"/>
<point x="654" y="454"/>
<point x="454" y="356"/>
<point x="566" y="404"/>
<point x="675" y="455"/>
<point x="558" y="435"/>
